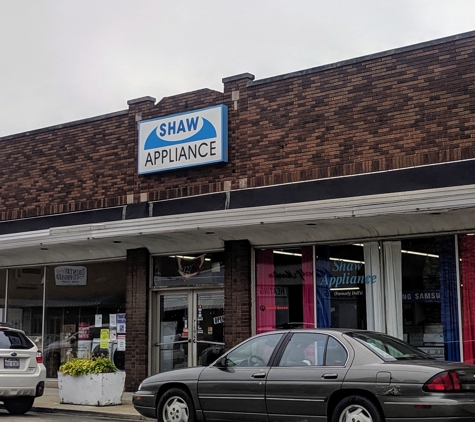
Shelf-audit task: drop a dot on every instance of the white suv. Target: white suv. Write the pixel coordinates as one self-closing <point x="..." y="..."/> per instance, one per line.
<point x="22" y="373"/>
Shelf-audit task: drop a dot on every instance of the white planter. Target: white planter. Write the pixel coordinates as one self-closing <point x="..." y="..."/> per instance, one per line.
<point x="92" y="390"/>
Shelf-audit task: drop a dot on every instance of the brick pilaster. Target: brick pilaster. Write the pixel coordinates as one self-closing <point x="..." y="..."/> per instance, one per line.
<point x="136" y="355"/>
<point x="237" y="302"/>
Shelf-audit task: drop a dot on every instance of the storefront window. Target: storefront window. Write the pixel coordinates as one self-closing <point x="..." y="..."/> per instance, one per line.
<point x="3" y="282"/>
<point x="467" y="274"/>
<point x="84" y="310"/>
<point x="85" y="313"/>
<point x="285" y="292"/>
<point x="341" y="286"/>
<point x="25" y="301"/>
<point x="429" y="294"/>
<point x="190" y="269"/>
<point x="288" y="294"/>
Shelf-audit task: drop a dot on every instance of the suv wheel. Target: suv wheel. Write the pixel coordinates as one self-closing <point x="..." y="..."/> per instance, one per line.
<point x="19" y="405"/>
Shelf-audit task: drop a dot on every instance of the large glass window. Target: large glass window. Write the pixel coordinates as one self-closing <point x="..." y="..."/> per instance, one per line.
<point x="3" y="282"/>
<point x="285" y="288"/>
<point x="187" y="270"/>
<point x="84" y="310"/>
<point x="25" y="300"/>
<point x="85" y="313"/>
<point x="341" y="286"/>
<point x="429" y="295"/>
<point x="289" y="295"/>
<point x="467" y="274"/>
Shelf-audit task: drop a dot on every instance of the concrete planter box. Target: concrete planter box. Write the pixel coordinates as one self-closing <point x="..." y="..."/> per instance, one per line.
<point x="92" y="389"/>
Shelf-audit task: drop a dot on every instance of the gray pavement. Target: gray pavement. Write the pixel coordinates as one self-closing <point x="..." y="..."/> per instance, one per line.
<point x="49" y="402"/>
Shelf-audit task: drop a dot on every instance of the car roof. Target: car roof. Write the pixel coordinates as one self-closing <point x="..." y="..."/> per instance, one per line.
<point x="318" y="330"/>
<point x="335" y="331"/>
<point x="6" y="326"/>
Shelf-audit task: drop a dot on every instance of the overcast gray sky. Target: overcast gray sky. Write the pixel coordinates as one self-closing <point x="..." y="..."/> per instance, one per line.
<point x="65" y="60"/>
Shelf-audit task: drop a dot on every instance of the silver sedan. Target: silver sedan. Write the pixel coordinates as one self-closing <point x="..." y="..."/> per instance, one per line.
<point x="335" y="375"/>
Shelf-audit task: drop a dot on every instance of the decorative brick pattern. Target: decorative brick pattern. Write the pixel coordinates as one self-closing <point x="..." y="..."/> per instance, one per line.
<point x="411" y="107"/>
<point x="402" y="110"/>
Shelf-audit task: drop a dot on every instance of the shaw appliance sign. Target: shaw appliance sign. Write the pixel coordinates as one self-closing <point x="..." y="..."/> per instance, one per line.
<point x="183" y="140"/>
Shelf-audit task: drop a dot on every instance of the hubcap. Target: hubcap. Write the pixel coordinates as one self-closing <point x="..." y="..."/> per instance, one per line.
<point x="175" y="410"/>
<point x="355" y="413"/>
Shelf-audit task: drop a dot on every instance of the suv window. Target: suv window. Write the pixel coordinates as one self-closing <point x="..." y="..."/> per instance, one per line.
<point x="14" y="340"/>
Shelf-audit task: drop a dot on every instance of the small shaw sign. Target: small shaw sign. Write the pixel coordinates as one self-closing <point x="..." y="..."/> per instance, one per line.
<point x="183" y="140"/>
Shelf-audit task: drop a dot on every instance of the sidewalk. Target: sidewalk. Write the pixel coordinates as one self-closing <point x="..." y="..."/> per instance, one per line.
<point x="49" y="403"/>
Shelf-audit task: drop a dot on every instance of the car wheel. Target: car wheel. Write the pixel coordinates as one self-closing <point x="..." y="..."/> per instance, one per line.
<point x="176" y="406"/>
<point x="19" y="405"/>
<point x="356" y="409"/>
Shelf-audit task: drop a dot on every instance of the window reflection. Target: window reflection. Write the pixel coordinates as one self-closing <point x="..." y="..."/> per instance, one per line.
<point x="255" y="352"/>
<point x="300" y="286"/>
<point x="82" y="306"/>
<point x="429" y="294"/>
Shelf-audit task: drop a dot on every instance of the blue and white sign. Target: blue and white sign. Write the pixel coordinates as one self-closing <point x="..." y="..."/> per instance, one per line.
<point x="183" y="140"/>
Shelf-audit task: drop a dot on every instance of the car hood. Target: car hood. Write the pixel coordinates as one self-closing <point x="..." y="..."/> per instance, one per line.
<point x="183" y="374"/>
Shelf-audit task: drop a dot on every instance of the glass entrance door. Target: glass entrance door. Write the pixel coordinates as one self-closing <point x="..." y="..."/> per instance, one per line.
<point x="190" y="328"/>
<point x="208" y="335"/>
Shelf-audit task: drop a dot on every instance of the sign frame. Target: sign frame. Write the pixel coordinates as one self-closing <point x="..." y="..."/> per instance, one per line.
<point x="183" y="140"/>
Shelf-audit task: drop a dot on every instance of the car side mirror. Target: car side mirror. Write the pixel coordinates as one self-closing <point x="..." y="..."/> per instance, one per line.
<point x="210" y="355"/>
<point x="224" y="362"/>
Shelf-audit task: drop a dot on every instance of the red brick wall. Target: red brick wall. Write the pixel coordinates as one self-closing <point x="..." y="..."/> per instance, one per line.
<point x="402" y="110"/>
<point x="391" y="111"/>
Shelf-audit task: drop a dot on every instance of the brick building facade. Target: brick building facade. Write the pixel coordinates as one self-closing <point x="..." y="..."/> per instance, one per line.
<point x="370" y="149"/>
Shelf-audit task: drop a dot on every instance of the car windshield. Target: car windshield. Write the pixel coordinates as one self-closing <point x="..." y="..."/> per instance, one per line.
<point x="389" y="348"/>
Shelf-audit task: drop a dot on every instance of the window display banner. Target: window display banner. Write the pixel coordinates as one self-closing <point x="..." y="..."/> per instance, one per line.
<point x="188" y="268"/>
<point x="67" y="275"/>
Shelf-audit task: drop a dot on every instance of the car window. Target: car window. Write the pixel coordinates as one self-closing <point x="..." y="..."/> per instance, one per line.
<point x="14" y="340"/>
<point x="304" y="349"/>
<point x="389" y="348"/>
<point x="255" y="352"/>
<point x="336" y="354"/>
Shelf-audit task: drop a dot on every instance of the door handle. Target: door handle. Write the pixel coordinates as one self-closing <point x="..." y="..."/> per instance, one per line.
<point x="330" y="376"/>
<point x="259" y="375"/>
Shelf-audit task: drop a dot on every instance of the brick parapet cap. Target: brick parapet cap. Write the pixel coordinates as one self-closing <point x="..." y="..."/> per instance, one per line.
<point x="146" y="99"/>
<point x="65" y="125"/>
<point x="241" y="76"/>
<point x="361" y="59"/>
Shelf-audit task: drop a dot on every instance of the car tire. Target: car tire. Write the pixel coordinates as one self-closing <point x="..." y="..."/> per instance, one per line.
<point x="356" y="409"/>
<point x="19" y="405"/>
<point x="177" y="406"/>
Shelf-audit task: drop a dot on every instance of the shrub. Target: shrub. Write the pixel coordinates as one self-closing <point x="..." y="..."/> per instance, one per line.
<point x="79" y="366"/>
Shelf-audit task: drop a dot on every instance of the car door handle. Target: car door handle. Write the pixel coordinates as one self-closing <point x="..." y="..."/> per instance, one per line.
<point x="330" y="376"/>
<point x="259" y="375"/>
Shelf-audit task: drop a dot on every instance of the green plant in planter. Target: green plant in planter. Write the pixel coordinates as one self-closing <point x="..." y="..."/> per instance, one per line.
<point x="77" y="367"/>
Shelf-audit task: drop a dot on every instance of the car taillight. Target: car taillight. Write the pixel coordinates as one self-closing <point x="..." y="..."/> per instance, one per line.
<point x="39" y="357"/>
<point x="446" y="381"/>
